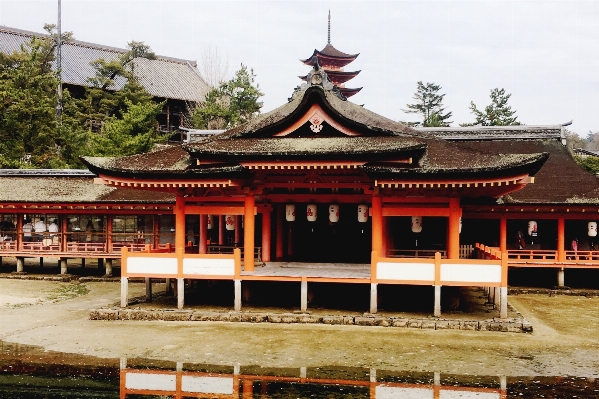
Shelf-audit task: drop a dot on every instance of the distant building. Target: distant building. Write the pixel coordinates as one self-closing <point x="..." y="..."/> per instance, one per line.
<point x="581" y="152"/>
<point x="175" y="80"/>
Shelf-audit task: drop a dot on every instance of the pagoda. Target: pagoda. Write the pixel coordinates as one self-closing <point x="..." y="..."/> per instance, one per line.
<point x="332" y="61"/>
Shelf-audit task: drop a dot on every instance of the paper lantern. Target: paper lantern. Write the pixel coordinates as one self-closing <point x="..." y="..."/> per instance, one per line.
<point x="334" y="213"/>
<point x="290" y="212"/>
<point x="230" y="222"/>
<point x="532" y="228"/>
<point x="311" y="213"/>
<point x="362" y="213"/>
<point x="210" y="222"/>
<point x="592" y="227"/>
<point x="416" y="224"/>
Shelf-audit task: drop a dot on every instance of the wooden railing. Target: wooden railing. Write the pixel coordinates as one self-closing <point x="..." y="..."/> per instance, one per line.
<point x="545" y="257"/>
<point x="228" y="249"/>
<point x="414" y="253"/>
<point x="536" y="255"/>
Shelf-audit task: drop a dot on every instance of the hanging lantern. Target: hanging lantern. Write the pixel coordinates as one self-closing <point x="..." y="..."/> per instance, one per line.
<point x="210" y="222"/>
<point x="290" y="212"/>
<point x="334" y="213"/>
<point x="230" y="222"/>
<point x="362" y="213"/>
<point x="532" y="228"/>
<point x="592" y="227"/>
<point x="311" y="213"/>
<point x="416" y="224"/>
<point x="460" y="230"/>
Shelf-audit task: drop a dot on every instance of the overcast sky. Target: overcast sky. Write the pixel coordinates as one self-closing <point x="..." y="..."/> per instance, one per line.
<point x="546" y="53"/>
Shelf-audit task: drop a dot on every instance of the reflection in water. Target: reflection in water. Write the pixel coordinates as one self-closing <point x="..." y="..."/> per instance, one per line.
<point x="31" y="373"/>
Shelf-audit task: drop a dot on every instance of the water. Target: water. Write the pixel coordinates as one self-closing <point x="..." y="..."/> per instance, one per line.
<point x="28" y="372"/>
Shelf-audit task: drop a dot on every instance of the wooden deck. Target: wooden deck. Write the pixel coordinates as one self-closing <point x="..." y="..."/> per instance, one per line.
<point x="296" y="271"/>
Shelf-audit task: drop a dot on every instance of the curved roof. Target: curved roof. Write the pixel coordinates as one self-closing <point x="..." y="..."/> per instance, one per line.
<point x="330" y="52"/>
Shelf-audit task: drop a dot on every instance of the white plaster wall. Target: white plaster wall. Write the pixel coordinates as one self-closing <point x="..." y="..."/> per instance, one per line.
<point x="153" y="382"/>
<point x="454" y="394"/>
<point x="405" y="271"/>
<point x="209" y="266"/>
<point x="213" y="385"/>
<point x="151" y="265"/>
<point x="383" y="392"/>
<point x="479" y="273"/>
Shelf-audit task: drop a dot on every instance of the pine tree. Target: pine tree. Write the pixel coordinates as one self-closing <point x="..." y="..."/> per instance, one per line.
<point x="429" y="104"/>
<point x="498" y="113"/>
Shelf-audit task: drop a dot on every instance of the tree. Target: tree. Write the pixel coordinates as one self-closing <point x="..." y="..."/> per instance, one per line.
<point x="573" y="140"/>
<point x="498" y="113"/>
<point x="429" y="104"/>
<point x="214" y="68"/>
<point x="589" y="163"/>
<point x="230" y="104"/>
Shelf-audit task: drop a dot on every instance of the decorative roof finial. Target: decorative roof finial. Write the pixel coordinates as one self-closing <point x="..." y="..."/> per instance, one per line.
<point x="329" y="41"/>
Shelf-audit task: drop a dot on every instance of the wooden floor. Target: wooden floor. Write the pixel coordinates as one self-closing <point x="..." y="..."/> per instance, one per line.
<point x="311" y="270"/>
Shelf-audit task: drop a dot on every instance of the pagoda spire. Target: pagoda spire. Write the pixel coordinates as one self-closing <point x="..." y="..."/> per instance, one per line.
<point x="329" y="37"/>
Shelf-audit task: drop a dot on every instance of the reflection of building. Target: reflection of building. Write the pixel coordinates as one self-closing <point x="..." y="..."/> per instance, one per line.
<point x="175" y="80"/>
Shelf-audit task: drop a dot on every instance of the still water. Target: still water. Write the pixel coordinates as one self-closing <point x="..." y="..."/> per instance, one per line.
<point x="27" y="372"/>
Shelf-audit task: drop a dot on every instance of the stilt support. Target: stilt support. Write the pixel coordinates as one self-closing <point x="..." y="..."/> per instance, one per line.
<point x="373" y="297"/>
<point x="148" y="289"/>
<point x="503" y="302"/>
<point x="237" y="300"/>
<point x="108" y="264"/>
<point x="437" y="311"/>
<point x="180" y="293"/>
<point x="304" y="295"/>
<point x="560" y="277"/>
<point x="63" y="265"/>
<point x="124" y="291"/>
<point x="169" y="287"/>
<point x="20" y="265"/>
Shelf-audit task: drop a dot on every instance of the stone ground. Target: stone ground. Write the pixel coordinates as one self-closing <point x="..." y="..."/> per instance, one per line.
<point x="54" y="316"/>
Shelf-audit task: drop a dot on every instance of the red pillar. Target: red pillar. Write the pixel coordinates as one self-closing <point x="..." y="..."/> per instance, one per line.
<point x="203" y="240"/>
<point x="180" y="224"/>
<point x="385" y="236"/>
<point x="503" y="234"/>
<point x="248" y="233"/>
<point x="280" y="236"/>
<point x="20" y="232"/>
<point x="453" y="231"/>
<point x="266" y="234"/>
<point x="377" y="224"/>
<point x="561" y="239"/>
<point x="221" y="230"/>
<point x="237" y="230"/>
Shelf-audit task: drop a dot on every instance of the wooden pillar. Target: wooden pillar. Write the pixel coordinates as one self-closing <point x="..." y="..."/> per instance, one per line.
<point x="503" y="234"/>
<point x="19" y="232"/>
<point x="561" y="239"/>
<point x="148" y="289"/>
<point x="237" y="230"/>
<point x="63" y="233"/>
<point x="280" y="234"/>
<point x="266" y="234"/>
<point x="109" y="222"/>
<point x="248" y="233"/>
<point x="108" y="264"/>
<point x="63" y="265"/>
<point x="221" y="230"/>
<point x="385" y="235"/>
<point x="453" y="230"/>
<point x="203" y="244"/>
<point x="377" y="224"/>
<point x="124" y="291"/>
<point x="180" y="224"/>
<point x="156" y="230"/>
<point x="304" y="295"/>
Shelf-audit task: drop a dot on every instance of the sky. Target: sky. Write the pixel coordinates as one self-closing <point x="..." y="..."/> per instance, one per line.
<point x="545" y="53"/>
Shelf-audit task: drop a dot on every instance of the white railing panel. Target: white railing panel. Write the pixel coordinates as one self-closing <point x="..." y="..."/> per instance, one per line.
<point x="210" y="385"/>
<point x="384" y="392"/>
<point x="405" y="271"/>
<point x="151" y="265"/>
<point x="151" y="381"/>
<point x="474" y="273"/>
<point x="462" y="394"/>
<point x="209" y="266"/>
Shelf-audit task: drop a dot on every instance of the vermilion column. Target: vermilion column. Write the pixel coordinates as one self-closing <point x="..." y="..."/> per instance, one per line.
<point x="20" y="232"/>
<point x="237" y="229"/>
<point x="377" y="224"/>
<point x="385" y="236"/>
<point x="266" y="235"/>
<point x="561" y="239"/>
<point x="203" y="244"/>
<point x="280" y="226"/>
<point x="453" y="231"/>
<point x="180" y="223"/>
<point x="221" y="230"/>
<point x="503" y="234"/>
<point x="248" y="233"/>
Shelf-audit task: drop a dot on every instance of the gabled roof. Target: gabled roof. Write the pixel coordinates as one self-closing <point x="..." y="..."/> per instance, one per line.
<point x="164" y="77"/>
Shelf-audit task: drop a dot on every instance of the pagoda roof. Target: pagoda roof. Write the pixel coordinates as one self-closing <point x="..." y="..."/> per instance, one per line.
<point x="337" y="77"/>
<point x="330" y="56"/>
<point x="348" y="92"/>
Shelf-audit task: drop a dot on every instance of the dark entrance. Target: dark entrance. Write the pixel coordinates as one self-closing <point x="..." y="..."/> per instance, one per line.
<point x="322" y="241"/>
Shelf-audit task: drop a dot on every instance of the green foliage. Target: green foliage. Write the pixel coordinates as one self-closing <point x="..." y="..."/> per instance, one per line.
<point x="589" y="163"/>
<point x="498" y="113"/>
<point x="230" y="104"/>
<point x="429" y="104"/>
<point x="134" y="133"/>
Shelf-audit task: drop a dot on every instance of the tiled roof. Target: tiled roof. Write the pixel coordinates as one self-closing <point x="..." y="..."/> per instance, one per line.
<point x="163" y="77"/>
